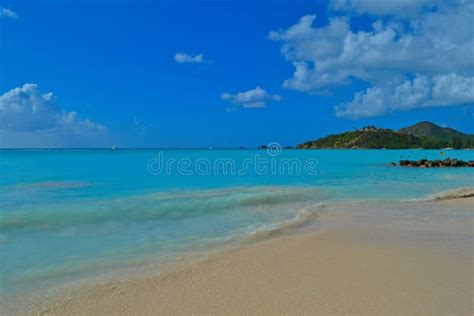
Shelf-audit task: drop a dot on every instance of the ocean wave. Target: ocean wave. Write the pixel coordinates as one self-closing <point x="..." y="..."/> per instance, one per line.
<point x="459" y="193"/>
<point x="56" y="185"/>
<point x="247" y="191"/>
<point x="304" y="217"/>
<point x="154" y="207"/>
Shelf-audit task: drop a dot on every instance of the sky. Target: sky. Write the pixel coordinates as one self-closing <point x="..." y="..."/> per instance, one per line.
<point x="229" y="73"/>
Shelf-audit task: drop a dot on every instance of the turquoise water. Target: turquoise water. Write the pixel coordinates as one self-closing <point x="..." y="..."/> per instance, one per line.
<point x="67" y="214"/>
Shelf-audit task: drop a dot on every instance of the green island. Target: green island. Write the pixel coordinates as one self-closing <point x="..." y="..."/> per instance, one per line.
<point x="424" y="135"/>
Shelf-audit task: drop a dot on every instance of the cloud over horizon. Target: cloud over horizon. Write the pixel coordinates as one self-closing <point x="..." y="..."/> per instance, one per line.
<point x="253" y="98"/>
<point x="29" y="118"/>
<point x="415" y="54"/>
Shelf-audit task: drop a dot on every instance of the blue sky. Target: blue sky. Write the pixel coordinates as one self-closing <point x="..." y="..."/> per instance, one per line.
<point x="229" y="73"/>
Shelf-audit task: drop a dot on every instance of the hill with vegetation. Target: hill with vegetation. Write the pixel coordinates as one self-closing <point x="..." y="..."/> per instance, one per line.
<point x="449" y="136"/>
<point x="422" y="135"/>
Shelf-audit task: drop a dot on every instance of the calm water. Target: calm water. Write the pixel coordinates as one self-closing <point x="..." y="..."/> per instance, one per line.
<point x="68" y="214"/>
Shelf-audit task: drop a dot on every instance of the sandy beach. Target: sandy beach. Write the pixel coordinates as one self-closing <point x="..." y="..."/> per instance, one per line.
<point x="226" y="157"/>
<point x="351" y="271"/>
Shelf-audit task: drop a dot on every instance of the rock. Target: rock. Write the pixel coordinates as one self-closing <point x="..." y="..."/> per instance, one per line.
<point x="425" y="163"/>
<point x="436" y="163"/>
<point x="422" y="161"/>
<point x="446" y="162"/>
<point x="404" y="162"/>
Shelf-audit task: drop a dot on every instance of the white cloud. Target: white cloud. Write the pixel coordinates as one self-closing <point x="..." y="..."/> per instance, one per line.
<point x="254" y="98"/>
<point x="422" y="91"/>
<point x="31" y="119"/>
<point x="398" y="51"/>
<point x="385" y="7"/>
<point x="4" y="12"/>
<point x="138" y="127"/>
<point x="187" y="58"/>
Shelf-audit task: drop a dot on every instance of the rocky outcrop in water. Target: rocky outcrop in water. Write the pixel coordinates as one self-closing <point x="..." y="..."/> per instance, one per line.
<point x="425" y="163"/>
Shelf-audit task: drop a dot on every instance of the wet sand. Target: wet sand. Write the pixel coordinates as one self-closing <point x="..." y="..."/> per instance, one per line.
<point x="334" y="272"/>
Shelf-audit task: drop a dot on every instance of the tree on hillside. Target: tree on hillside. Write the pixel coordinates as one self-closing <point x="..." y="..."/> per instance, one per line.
<point x="456" y="142"/>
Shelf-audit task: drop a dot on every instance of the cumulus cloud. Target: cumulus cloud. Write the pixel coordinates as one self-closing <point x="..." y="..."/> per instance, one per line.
<point x="397" y="57"/>
<point x="183" y="58"/>
<point x="4" y="12"/>
<point x="253" y="98"/>
<point x="422" y="91"/>
<point x="28" y="117"/>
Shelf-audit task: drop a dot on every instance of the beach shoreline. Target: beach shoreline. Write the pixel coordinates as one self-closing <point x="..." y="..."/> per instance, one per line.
<point x="358" y="270"/>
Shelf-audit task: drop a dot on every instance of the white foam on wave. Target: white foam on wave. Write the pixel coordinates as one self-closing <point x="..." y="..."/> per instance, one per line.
<point x="459" y="193"/>
<point x="304" y="217"/>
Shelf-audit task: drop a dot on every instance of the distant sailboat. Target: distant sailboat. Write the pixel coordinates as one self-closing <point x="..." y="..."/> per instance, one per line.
<point x="114" y="146"/>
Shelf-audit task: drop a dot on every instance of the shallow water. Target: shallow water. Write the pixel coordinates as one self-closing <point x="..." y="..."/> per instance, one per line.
<point x="68" y="214"/>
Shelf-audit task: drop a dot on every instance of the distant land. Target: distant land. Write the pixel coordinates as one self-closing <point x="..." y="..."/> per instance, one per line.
<point x="424" y="135"/>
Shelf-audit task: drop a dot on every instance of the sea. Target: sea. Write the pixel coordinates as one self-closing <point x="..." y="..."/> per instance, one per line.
<point x="70" y="215"/>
